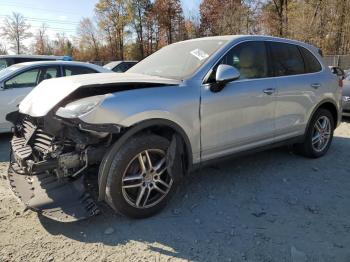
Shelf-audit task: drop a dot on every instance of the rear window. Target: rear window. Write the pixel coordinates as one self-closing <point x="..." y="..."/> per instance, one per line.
<point x="311" y="63"/>
<point x="287" y="59"/>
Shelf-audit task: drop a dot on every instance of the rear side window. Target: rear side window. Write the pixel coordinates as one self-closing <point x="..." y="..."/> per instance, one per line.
<point x="287" y="59"/>
<point x="77" y="70"/>
<point x="48" y="73"/>
<point x="121" y="68"/>
<point x="311" y="63"/>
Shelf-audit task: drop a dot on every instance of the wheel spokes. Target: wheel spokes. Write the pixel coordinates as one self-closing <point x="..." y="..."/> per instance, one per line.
<point x="132" y="181"/>
<point x="316" y="139"/>
<point x="145" y="162"/>
<point x="159" y="189"/>
<point x="148" y="182"/>
<point x="140" y="196"/>
<point x="318" y="126"/>
<point x="160" y="181"/>
<point x="159" y="168"/>
<point x="322" y="133"/>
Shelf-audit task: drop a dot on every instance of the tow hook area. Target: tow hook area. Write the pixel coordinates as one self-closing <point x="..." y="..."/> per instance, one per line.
<point x="64" y="200"/>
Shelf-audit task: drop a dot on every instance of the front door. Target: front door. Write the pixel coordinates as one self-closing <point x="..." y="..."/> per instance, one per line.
<point x="241" y="115"/>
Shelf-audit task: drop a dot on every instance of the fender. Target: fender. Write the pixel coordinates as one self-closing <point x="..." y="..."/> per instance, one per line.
<point x="320" y="105"/>
<point x="107" y="159"/>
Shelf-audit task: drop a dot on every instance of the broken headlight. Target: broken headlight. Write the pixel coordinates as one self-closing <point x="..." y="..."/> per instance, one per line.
<point x="80" y="107"/>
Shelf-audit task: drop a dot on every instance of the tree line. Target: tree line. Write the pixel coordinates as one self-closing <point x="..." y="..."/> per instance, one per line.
<point x="134" y="29"/>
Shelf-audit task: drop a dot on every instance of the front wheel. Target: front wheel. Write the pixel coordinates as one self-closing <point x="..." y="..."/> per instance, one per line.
<point x="319" y="135"/>
<point x="141" y="180"/>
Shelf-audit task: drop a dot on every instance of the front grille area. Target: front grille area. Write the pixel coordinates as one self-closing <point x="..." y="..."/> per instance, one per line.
<point x="31" y="138"/>
<point x="20" y="148"/>
<point x="42" y="142"/>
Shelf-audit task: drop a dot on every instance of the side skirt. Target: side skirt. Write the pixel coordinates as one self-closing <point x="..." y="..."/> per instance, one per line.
<point x="291" y="141"/>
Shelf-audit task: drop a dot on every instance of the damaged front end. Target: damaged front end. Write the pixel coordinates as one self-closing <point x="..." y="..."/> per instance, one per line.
<point x="48" y="157"/>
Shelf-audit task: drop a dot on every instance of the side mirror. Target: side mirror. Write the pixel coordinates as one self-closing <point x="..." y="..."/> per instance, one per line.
<point x="224" y="75"/>
<point x="338" y="71"/>
<point x="2" y="86"/>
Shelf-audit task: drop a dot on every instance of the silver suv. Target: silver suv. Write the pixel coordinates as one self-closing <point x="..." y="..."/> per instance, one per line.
<point x="186" y="105"/>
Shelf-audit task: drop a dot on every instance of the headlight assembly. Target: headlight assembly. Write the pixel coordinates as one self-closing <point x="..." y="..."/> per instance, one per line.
<point x="80" y="107"/>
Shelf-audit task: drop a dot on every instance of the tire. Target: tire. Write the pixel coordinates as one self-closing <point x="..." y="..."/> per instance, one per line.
<point x="126" y="170"/>
<point x="309" y="147"/>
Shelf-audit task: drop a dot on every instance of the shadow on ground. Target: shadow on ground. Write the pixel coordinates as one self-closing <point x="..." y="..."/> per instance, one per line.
<point x="254" y="208"/>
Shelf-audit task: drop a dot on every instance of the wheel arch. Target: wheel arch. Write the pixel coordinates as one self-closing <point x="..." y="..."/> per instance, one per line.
<point x="330" y="106"/>
<point x="162" y="127"/>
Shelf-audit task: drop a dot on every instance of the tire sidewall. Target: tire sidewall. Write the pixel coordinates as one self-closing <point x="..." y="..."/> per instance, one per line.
<point x="114" y="194"/>
<point x="311" y="151"/>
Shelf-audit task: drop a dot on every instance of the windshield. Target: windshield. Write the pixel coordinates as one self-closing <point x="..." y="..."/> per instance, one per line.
<point x="3" y="64"/>
<point x="179" y="60"/>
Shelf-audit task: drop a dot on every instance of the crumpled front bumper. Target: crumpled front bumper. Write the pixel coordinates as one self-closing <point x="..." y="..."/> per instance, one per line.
<point x="36" y="185"/>
<point x="63" y="200"/>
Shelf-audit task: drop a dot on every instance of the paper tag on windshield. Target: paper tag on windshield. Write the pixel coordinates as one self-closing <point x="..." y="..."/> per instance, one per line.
<point x="201" y="55"/>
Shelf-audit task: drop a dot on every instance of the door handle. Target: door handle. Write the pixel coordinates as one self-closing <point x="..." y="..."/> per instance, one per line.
<point x="269" y="91"/>
<point x="316" y="85"/>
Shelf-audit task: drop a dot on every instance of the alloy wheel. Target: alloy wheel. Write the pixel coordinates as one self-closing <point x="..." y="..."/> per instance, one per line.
<point x="146" y="180"/>
<point x="321" y="134"/>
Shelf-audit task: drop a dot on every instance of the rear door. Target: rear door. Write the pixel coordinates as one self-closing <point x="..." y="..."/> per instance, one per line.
<point x="298" y="80"/>
<point x="18" y="86"/>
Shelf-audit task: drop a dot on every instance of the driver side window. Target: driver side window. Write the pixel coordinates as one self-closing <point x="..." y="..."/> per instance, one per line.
<point x="25" y="79"/>
<point x="250" y="59"/>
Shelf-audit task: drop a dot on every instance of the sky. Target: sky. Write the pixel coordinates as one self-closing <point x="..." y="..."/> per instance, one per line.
<point x="62" y="15"/>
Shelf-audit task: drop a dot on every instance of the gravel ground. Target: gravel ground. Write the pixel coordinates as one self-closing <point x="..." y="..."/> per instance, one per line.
<point x="271" y="206"/>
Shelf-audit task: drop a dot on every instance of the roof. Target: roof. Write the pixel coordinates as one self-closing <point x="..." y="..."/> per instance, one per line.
<point x="14" y="68"/>
<point x="56" y="62"/>
<point x="68" y="63"/>
<point x="33" y="56"/>
<point x="231" y="38"/>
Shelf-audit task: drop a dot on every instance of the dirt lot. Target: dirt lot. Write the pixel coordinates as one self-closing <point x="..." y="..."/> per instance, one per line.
<point x="272" y="206"/>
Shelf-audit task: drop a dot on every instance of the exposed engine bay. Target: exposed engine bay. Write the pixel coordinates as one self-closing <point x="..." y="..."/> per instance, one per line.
<point x="46" y="166"/>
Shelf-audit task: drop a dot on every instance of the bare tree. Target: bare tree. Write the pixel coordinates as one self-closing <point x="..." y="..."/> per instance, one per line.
<point x="88" y="36"/>
<point x="137" y="13"/>
<point x="41" y="45"/>
<point x="16" y="30"/>
<point x="113" y="17"/>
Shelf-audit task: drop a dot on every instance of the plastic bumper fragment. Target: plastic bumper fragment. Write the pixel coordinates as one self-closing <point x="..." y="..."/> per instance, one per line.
<point x="63" y="200"/>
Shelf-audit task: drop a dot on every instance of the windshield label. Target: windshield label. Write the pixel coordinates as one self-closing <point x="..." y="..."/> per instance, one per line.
<point x="200" y="54"/>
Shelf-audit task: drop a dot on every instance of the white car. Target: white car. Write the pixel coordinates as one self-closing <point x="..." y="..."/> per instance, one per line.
<point x="18" y="80"/>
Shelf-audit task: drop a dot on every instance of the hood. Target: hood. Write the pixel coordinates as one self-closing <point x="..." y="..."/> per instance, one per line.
<point x="50" y="92"/>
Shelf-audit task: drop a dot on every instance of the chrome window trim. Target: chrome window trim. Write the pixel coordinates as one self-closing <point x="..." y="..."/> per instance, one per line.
<point x="263" y="40"/>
